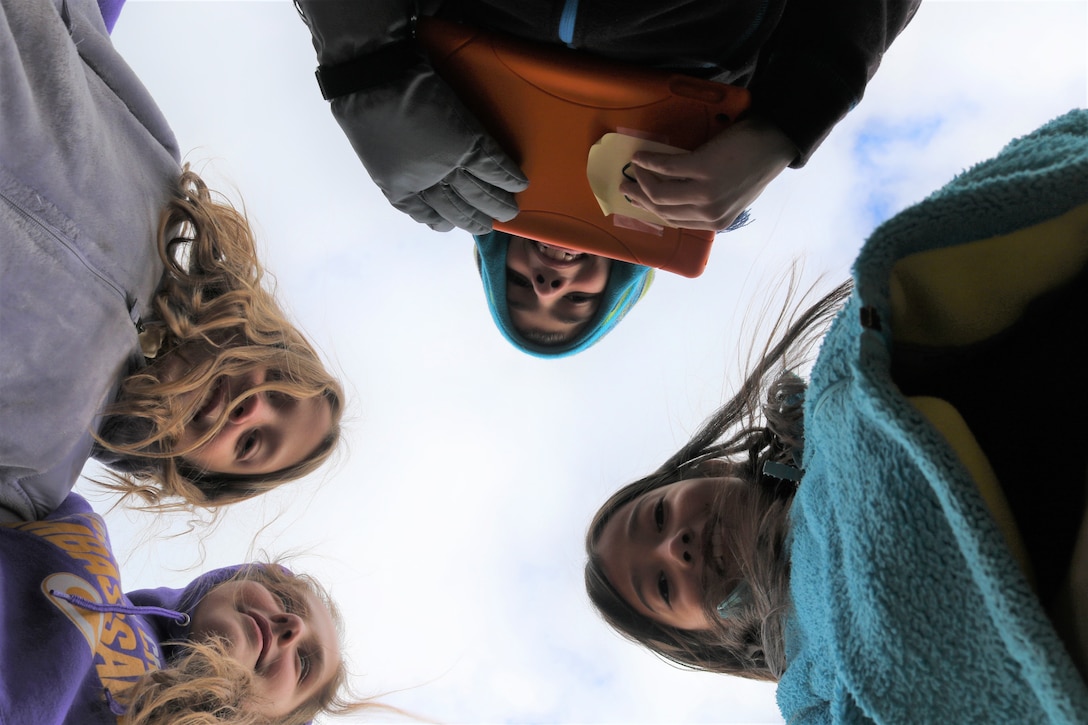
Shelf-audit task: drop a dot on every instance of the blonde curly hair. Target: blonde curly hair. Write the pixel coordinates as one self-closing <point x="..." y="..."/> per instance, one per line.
<point x="203" y="685"/>
<point x="214" y="318"/>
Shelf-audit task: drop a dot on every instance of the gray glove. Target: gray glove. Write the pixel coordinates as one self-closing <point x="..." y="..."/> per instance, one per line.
<point x="429" y="155"/>
<point x="470" y="197"/>
<point x="422" y="147"/>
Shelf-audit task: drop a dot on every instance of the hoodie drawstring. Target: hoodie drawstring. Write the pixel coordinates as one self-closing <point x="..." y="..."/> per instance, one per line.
<point x="180" y="617"/>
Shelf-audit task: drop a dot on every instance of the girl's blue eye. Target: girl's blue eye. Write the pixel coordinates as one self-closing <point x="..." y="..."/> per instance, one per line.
<point x="292" y="604"/>
<point x="659" y="514"/>
<point x="288" y="602"/>
<point x="663" y="587"/>
<point x="248" y="443"/>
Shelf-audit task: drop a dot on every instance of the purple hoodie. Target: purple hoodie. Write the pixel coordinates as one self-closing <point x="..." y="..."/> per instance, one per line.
<point x="69" y="635"/>
<point x="111" y="10"/>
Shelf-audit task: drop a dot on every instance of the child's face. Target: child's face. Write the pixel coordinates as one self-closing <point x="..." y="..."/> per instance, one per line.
<point x="266" y="432"/>
<point x="553" y="290"/>
<point x="288" y="638"/>
<point x="653" y="548"/>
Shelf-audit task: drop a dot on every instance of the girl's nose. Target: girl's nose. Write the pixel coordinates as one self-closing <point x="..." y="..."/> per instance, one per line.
<point x="681" y="547"/>
<point x="249" y="409"/>
<point x="286" y="627"/>
<point x="548" y="284"/>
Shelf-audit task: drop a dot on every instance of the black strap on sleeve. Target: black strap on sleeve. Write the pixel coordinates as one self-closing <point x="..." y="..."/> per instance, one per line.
<point x="368" y="70"/>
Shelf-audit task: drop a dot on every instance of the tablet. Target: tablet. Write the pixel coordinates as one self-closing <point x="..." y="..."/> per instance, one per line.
<point x="547" y="106"/>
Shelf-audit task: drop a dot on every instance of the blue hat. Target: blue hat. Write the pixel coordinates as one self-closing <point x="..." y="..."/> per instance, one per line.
<point x="627" y="283"/>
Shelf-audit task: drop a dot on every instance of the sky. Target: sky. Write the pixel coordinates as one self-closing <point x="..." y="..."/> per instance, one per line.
<point x="450" y="526"/>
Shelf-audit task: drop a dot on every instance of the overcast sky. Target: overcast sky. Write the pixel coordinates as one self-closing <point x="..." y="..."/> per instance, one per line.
<point x="450" y="528"/>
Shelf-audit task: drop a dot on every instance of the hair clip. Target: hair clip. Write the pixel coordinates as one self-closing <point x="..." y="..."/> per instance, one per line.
<point x="782" y="471"/>
<point x="733" y="601"/>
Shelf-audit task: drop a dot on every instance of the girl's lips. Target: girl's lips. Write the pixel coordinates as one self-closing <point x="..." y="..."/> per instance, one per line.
<point x="715" y="544"/>
<point x="264" y="637"/>
<point x="212" y="408"/>
<point x="556" y="257"/>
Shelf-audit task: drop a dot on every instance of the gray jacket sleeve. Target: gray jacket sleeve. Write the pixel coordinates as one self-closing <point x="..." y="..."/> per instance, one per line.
<point x="87" y="164"/>
<point x="421" y="146"/>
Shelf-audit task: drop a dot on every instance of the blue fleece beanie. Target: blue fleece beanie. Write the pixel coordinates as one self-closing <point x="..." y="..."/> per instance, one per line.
<point x="627" y="283"/>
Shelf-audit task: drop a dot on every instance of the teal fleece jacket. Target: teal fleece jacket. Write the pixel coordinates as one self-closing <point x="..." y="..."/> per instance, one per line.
<point x="908" y="606"/>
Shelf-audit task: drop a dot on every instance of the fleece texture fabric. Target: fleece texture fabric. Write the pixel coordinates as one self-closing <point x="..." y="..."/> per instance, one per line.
<point x="71" y="637"/>
<point x="627" y="283"/>
<point x="87" y="164"/>
<point x="907" y="603"/>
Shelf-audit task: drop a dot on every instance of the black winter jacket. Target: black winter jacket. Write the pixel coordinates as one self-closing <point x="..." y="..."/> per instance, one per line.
<point x="806" y="63"/>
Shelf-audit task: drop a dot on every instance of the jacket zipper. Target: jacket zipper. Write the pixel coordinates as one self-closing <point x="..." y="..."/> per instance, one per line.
<point x="567" y="20"/>
<point x="826" y="395"/>
<point x="130" y="304"/>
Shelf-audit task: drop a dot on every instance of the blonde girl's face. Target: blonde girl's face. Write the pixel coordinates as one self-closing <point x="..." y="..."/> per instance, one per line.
<point x="265" y="432"/>
<point x="653" y="548"/>
<point x="286" y="635"/>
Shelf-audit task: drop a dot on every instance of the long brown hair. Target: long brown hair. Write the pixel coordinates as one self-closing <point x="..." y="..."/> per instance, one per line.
<point x="203" y="685"/>
<point x="214" y="317"/>
<point x="762" y="422"/>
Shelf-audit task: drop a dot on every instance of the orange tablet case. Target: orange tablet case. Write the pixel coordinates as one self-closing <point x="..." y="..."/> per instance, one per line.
<point x="547" y="106"/>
